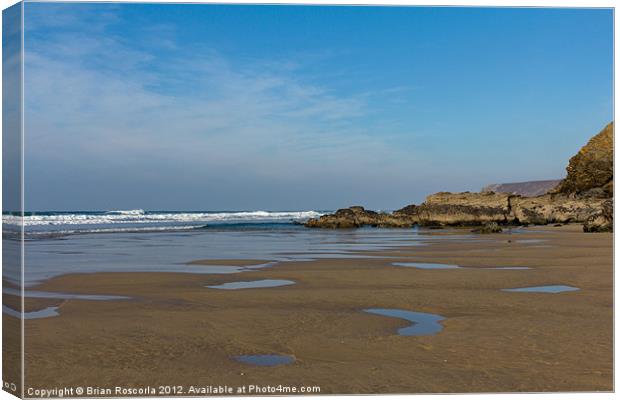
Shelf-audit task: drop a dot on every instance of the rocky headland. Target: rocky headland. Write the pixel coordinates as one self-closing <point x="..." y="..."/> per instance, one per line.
<point x="528" y="189"/>
<point x="584" y="196"/>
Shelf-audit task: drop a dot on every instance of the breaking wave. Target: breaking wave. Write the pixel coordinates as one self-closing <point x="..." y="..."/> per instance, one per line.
<point x="156" y="217"/>
<point x="126" y="212"/>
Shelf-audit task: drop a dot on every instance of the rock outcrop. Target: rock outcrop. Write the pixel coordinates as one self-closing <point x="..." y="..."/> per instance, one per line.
<point x="466" y="209"/>
<point x="471" y="209"/>
<point x="584" y="196"/>
<point x="591" y="171"/>
<point x="489" y="227"/>
<point x="553" y="208"/>
<point x="356" y="217"/>
<point x="479" y="209"/>
<point x="602" y="220"/>
<point x="526" y="189"/>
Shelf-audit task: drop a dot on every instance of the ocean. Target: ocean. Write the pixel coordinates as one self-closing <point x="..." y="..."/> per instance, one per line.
<point x="58" y="243"/>
<point x="46" y="223"/>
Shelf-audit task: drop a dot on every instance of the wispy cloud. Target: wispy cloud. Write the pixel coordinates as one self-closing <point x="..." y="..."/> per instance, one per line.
<point x="114" y="104"/>
<point x="124" y="114"/>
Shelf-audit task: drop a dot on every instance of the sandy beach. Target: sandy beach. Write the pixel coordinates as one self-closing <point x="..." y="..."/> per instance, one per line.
<point x="175" y="331"/>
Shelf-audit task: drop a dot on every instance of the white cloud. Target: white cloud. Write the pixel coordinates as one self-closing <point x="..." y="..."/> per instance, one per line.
<point x="123" y="109"/>
<point x="97" y="104"/>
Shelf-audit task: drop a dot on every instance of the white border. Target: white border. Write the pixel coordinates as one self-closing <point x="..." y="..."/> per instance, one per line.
<point x="472" y="3"/>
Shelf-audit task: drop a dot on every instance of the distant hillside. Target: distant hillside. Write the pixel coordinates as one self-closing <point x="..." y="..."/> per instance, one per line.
<point x="527" y="189"/>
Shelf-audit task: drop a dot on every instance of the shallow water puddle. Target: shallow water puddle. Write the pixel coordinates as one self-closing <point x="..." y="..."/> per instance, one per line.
<point x="425" y="265"/>
<point x="44" y="313"/>
<point x="227" y="269"/>
<point x="531" y="240"/>
<point x="447" y="266"/>
<point x="263" y="265"/>
<point x="63" y="296"/>
<point x="423" y="323"/>
<point x="219" y="269"/>
<point x="266" y="360"/>
<point x="544" y="289"/>
<point x="264" y="283"/>
<point x="51" y="311"/>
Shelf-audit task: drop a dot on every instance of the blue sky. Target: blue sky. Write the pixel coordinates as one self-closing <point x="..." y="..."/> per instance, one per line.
<point x="11" y="108"/>
<point x="211" y="107"/>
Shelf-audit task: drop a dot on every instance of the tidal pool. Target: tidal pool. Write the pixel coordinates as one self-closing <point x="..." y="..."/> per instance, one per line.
<point x="64" y="296"/>
<point x="544" y="289"/>
<point x="426" y="265"/>
<point x="44" y="313"/>
<point x="266" y="360"/>
<point x="531" y="240"/>
<point x="423" y="323"/>
<point x="264" y="283"/>
<point x="50" y="311"/>
<point x="447" y="266"/>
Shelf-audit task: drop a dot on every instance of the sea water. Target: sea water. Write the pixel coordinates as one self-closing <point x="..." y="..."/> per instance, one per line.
<point x="262" y="283"/>
<point x="58" y="243"/>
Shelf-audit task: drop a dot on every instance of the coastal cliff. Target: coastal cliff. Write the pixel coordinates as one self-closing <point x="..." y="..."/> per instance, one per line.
<point x="591" y="171"/>
<point x="584" y="196"/>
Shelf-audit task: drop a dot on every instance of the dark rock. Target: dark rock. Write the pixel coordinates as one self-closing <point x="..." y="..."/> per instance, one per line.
<point x="489" y="227"/>
<point x="602" y="220"/>
<point x="356" y="217"/>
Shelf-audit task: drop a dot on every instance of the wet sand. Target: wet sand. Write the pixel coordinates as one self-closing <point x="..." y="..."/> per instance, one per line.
<point x="175" y="331"/>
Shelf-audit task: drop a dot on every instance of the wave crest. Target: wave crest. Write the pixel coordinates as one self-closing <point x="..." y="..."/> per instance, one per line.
<point x="142" y="217"/>
<point x="126" y="212"/>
